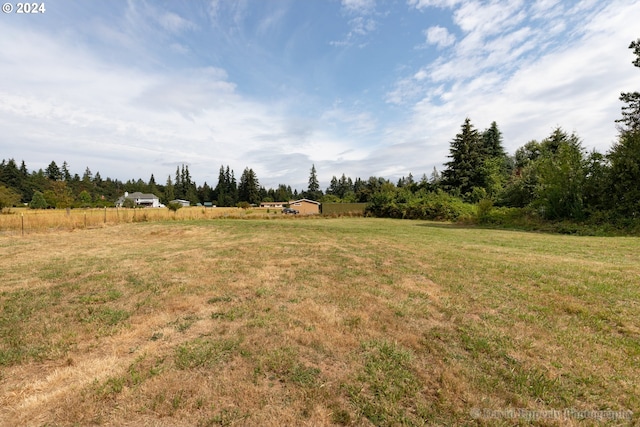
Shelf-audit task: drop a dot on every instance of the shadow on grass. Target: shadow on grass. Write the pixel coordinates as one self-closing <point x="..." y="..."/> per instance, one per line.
<point x="554" y="228"/>
<point x="467" y="226"/>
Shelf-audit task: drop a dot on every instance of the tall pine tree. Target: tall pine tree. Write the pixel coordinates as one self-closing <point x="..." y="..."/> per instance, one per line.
<point x="625" y="154"/>
<point x="464" y="171"/>
<point x="631" y="112"/>
<point x="313" y="190"/>
<point x="249" y="188"/>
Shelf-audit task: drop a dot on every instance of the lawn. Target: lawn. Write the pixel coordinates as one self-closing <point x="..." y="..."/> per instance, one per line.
<point x="295" y="321"/>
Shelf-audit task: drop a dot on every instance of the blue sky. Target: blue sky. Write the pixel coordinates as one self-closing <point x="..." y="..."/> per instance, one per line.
<point x="361" y="87"/>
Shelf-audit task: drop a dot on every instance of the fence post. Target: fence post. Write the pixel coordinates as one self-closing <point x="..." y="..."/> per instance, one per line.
<point x="22" y="221"/>
<point x="105" y="214"/>
<point x="85" y="220"/>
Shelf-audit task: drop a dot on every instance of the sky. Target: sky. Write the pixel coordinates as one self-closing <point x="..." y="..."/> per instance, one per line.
<point x="360" y="87"/>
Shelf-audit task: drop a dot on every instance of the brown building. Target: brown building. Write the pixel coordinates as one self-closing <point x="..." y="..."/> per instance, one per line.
<point x="305" y="206"/>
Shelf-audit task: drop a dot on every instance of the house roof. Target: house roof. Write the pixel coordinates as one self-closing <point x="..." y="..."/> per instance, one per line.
<point x="304" y="200"/>
<point x="139" y="195"/>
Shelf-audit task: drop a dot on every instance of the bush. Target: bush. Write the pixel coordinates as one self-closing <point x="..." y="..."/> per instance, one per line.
<point x="38" y="201"/>
<point x="174" y="206"/>
<point x="483" y="211"/>
<point x="422" y="205"/>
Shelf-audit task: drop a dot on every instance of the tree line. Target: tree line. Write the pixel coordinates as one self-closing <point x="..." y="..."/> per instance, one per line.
<point x="56" y="187"/>
<point x="555" y="178"/>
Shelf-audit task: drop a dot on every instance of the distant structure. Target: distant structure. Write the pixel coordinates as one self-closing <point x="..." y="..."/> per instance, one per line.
<point x="183" y="203"/>
<point x="305" y="206"/>
<point x="273" y="204"/>
<point x="140" y="200"/>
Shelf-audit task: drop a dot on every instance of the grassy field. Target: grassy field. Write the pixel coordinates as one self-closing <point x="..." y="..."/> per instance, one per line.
<point x="297" y="321"/>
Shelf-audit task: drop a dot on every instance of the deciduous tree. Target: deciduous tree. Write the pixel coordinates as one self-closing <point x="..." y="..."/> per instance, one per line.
<point x="8" y="198"/>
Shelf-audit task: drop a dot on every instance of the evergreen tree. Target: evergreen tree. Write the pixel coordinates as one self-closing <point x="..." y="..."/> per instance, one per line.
<point x="597" y="184"/>
<point x="435" y="178"/>
<point x="219" y="187"/>
<point x="360" y="191"/>
<point x="560" y="174"/>
<point x="233" y="188"/>
<point x="153" y="187"/>
<point x="38" y="181"/>
<point x="624" y="156"/>
<point x="10" y="175"/>
<point x="249" y="188"/>
<point x="66" y="175"/>
<point x="333" y="186"/>
<point x="625" y="173"/>
<point x="282" y="194"/>
<point x="313" y="190"/>
<point x="463" y="172"/>
<point x="631" y="111"/>
<point x="226" y="191"/>
<point x="23" y="169"/>
<point x="345" y="186"/>
<point x="205" y="193"/>
<point x="492" y="142"/>
<point x="169" y="192"/>
<point x="188" y="186"/>
<point x="53" y="172"/>
<point x="178" y="188"/>
<point x="87" y="177"/>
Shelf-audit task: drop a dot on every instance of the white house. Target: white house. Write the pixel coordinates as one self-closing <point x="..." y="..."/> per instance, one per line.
<point x="140" y="200"/>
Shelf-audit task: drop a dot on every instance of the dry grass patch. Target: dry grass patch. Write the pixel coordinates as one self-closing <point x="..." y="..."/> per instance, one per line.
<point x="315" y="322"/>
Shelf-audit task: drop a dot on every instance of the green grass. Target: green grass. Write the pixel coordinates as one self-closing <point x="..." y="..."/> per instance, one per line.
<point x="343" y="321"/>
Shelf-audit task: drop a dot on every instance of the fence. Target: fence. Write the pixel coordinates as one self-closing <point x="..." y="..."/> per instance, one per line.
<point x="343" y="208"/>
<point x="23" y="221"/>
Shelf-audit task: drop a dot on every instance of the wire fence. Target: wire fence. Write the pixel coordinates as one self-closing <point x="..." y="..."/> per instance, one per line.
<point x="24" y="221"/>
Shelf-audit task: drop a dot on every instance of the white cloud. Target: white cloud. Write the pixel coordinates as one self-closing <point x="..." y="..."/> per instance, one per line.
<point x="439" y="36"/>
<point x="361" y="25"/>
<point x="91" y="112"/>
<point x="174" y="23"/>
<point x="361" y="22"/>
<point x="546" y="8"/>
<point x="423" y="4"/>
<point x="488" y="18"/>
<point x="359" y="6"/>
<point x="528" y="82"/>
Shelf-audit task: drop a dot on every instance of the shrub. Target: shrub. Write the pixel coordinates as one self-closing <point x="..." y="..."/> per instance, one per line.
<point x="38" y="201"/>
<point x="483" y="211"/>
<point x="174" y="206"/>
<point x="422" y="205"/>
